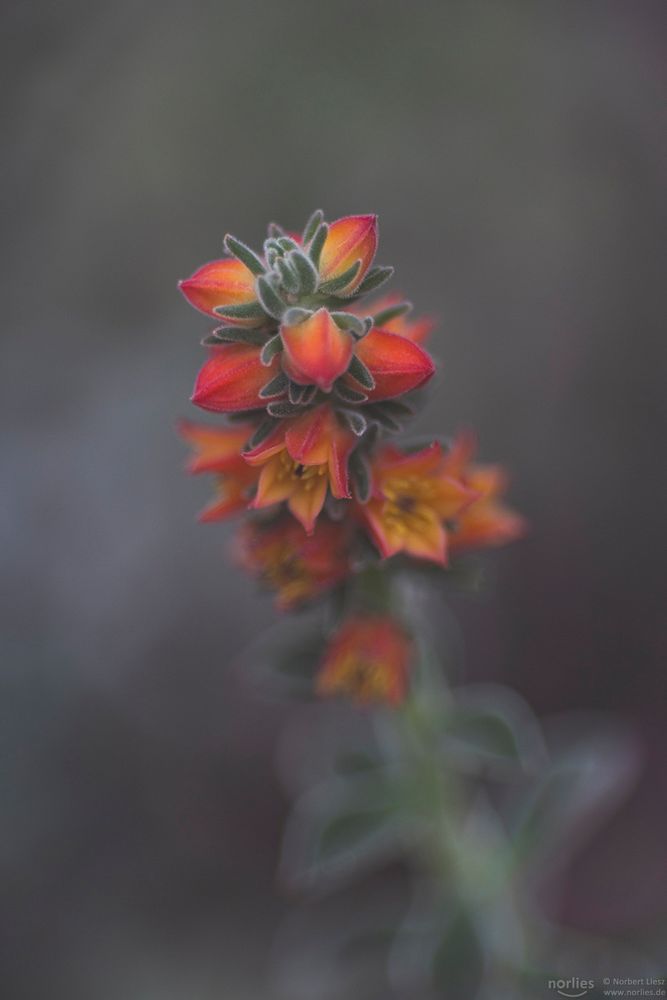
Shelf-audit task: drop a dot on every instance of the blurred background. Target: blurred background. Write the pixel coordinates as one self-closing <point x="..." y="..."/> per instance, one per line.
<point x="513" y="153"/>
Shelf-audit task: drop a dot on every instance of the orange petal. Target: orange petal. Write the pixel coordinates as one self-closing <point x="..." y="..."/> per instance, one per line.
<point x="269" y="447"/>
<point x="231" y="379"/>
<point x="217" y="449"/>
<point x="306" y="504"/>
<point x="396" y="364"/>
<point x="317" y="438"/>
<point x="350" y="239"/>
<point x="225" y="282"/>
<point x="316" y="351"/>
<point x="273" y="486"/>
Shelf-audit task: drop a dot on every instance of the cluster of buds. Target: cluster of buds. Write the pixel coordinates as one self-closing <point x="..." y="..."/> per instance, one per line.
<point x="314" y="384"/>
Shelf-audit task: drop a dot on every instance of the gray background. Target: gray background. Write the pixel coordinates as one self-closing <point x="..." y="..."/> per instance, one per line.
<point x="512" y="151"/>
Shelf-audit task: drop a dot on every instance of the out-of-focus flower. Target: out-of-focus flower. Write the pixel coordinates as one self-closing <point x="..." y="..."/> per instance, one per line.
<point x="412" y="496"/>
<point x="417" y="330"/>
<point x="297" y="566"/>
<point x="300" y="460"/>
<point x="218" y="450"/>
<point x="316" y="351"/>
<point x="349" y="240"/>
<point x="221" y="283"/>
<point x="231" y="379"/>
<point x="367" y="660"/>
<point x="487" y="521"/>
<point x="396" y="364"/>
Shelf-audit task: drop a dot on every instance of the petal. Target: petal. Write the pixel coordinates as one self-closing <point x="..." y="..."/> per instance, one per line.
<point x="397" y="365"/>
<point x="219" y="283"/>
<point x="316" y="351"/>
<point x="487" y="524"/>
<point x="306" y="504"/>
<point x="317" y="438"/>
<point x="217" y="449"/>
<point x="231" y="379"/>
<point x="350" y="239"/>
<point x="270" y="446"/>
<point x="273" y="486"/>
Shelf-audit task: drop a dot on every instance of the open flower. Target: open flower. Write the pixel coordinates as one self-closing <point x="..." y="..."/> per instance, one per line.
<point x="413" y="496"/>
<point x="351" y="239"/>
<point x="486" y="521"/>
<point x="367" y="660"/>
<point x="297" y="566"/>
<point x="221" y="283"/>
<point x="300" y="460"/>
<point x="218" y="450"/>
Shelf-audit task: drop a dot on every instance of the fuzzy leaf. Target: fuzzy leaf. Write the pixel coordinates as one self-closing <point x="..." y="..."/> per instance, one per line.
<point x="268" y="296"/>
<point x="260" y="433"/>
<point x="274" y="387"/>
<point x="355" y="420"/>
<point x="375" y="278"/>
<point x="360" y="474"/>
<point x="244" y="254"/>
<point x="360" y="373"/>
<point x="340" y="281"/>
<point x="234" y="335"/>
<point x="295" y="315"/>
<point x="270" y="349"/>
<point x="348" y="394"/>
<point x="306" y="271"/>
<point x="282" y="409"/>
<point x="312" y="225"/>
<point x="244" y="310"/>
<point x="317" y="242"/>
<point x="392" y="312"/>
<point x="348" y="321"/>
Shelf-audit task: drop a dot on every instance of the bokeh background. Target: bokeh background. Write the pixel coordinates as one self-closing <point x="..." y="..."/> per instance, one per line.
<point x="513" y="153"/>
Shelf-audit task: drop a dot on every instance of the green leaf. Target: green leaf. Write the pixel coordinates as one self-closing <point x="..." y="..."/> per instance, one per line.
<point x="268" y="296"/>
<point x="287" y="243"/>
<point x="274" y="387"/>
<point x="270" y="349"/>
<point x="336" y="284"/>
<point x="260" y="434"/>
<point x="288" y="277"/>
<point x="244" y="254"/>
<point x="391" y="312"/>
<point x="245" y="310"/>
<point x="317" y="242"/>
<point x="350" y="831"/>
<point x="376" y="277"/>
<point x="348" y="394"/>
<point x="485" y="734"/>
<point x="235" y="335"/>
<point x="355" y="420"/>
<point x="312" y="225"/>
<point x="296" y="315"/>
<point x="360" y="373"/>
<point x="305" y="270"/>
<point x="348" y="321"/>
<point x="282" y="409"/>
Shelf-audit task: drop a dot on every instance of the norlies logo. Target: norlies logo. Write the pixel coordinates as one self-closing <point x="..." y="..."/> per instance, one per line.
<point x="572" y="988"/>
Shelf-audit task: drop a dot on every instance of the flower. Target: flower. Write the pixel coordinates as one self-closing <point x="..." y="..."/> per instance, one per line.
<point x="297" y="566"/>
<point x="351" y="239"/>
<point x="316" y="350"/>
<point x="218" y="284"/>
<point x="487" y="521"/>
<point x="367" y="660"/>
<point x="232" y="378"/>
<point x="413" y="495"/>
<point x="218" y="450"/>
<point x="396" y="364"/>
<point x="302" y="458"/>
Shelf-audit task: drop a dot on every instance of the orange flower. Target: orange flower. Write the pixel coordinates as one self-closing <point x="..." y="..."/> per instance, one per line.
<point x="487" y="521"/>
<point x="231" y="379"/>
<point x="301" y="459"/>
<point x="297" y="566"/>
<point x="396" y="364"/>
<point x="316" y="351"/>
<point x="218" y="284"/>
<point x="349" y="240"/>
<point x="217" y="449"/>
<point x="413" y="495"/>
<point x="367" y="660"/>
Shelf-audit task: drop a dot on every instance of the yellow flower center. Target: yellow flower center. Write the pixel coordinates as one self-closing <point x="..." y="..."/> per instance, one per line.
<point x="305" y="475"/>
<point x="407" y="507"/>
<point x="364" y="679"/>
